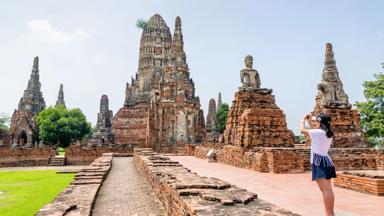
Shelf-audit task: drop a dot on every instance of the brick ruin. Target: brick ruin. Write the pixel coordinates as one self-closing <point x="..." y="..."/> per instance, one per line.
<point x="103" y="134"/>
<point x="23" y="130"/>
<point x="212" y="133"/>
<point x="219" y="101"/>
<point x="256" y="135"/>
<point x="368" y="181"/>
<point x="332" y="99"/>
<point x="183" y="192"/>
<point x="60" y="97"/>
<point x="254" y="119"/>
<point x="160" y="109"/>
<point x="79" y="197"/>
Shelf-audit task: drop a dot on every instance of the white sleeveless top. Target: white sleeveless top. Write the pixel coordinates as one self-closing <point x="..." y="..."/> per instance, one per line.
<point x="320" y="145"/>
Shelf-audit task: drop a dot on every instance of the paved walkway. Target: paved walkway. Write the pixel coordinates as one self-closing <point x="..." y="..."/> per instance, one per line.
<point x="295" y="192"/>
<point x="126" y="192"/>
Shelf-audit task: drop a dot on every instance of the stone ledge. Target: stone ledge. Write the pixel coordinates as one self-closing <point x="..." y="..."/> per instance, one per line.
<point x="367" y="181"/>
<point x="79" y="197"/>
<point x="183" y="192"/>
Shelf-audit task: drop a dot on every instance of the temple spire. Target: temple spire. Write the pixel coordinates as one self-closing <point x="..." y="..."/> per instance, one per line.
<point x="60" y="97"/>
<point x="331" y="91"/>
<point x="219" y="101"/>
<point x="178" y="58"/>
<point x="211" y="117"/>
<point x="330" y="70"/>
<point x="32" y="99"/>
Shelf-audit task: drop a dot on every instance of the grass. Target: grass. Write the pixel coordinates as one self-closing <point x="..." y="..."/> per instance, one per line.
<point x="25" y="192"/>
<point x="61" y="151"/>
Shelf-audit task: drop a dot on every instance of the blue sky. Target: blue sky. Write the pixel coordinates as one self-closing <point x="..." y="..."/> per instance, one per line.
<point x="92" y="47"/>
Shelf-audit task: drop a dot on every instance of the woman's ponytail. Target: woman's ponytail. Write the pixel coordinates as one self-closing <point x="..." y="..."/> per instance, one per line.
<point x="325" y="124"/>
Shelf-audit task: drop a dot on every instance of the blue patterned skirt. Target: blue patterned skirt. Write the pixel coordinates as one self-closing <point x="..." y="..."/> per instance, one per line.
<point x="323" y="172"/>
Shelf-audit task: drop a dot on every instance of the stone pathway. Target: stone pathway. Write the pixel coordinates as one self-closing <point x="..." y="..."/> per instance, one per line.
<point x="295" y="192"/>
<point x="126" y="192"/>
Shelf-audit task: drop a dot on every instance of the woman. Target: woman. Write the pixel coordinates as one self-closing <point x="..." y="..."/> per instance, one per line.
<point x="320" y="134"/>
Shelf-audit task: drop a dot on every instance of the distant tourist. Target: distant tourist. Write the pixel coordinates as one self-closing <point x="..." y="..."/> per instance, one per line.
<point x="320" y="134"/>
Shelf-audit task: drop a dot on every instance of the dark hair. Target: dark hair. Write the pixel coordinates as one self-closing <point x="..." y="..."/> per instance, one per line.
<point x="325" y="124"/>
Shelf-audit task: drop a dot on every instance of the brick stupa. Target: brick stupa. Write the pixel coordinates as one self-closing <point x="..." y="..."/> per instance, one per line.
<point x="103" y="134"/>
<point x="23" y="130"/>
<point x="160" y="109"/>
<point x="332" y="99"/>
<point x="255" y="120"/>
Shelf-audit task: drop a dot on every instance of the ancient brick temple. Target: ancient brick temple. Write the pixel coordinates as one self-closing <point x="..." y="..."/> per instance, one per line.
<point x="212" y="134"/>
<point x="23" y="130"/>
<point x="103" y="134"/>
<point x="210" y="124"/>
<point x="332" y="99"/>
<point x="219" y="101"/>
<point x="60" y="98"/>
<point x="160" y="109"/>
<point x="254" y="119"/>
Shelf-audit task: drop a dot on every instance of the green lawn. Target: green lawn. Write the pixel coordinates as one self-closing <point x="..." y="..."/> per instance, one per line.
<point x="25" y="192"/>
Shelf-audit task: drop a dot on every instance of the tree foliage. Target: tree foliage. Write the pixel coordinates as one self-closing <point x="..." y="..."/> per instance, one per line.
<point x="4" y="120"/>
<point x="141" y="23"/>
<point x="58" y="125"/>
<point x="221" y="116"/>
<point x="372" y="110"/>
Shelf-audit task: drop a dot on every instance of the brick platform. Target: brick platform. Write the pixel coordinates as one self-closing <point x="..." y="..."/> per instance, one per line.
<point x="25" y="156"/>
<point x="185" y="193"/>
<point x="288" y="160"/>
<point x="368" y="181"/>
<point x="79" y="196"/>
<point x="84" y="156"/>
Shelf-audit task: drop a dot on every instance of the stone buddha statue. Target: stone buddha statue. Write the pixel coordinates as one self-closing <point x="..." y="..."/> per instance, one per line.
<point x="249" y="77"/>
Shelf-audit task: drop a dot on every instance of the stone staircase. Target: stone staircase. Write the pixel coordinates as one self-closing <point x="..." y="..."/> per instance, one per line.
<point x="57" y="160"/>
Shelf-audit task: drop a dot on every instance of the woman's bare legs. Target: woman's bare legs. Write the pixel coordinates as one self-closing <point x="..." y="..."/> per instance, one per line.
<point x="325" y="186"/>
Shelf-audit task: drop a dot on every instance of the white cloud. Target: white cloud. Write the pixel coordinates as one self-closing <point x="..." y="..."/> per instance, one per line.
<point x="42" y="31"/>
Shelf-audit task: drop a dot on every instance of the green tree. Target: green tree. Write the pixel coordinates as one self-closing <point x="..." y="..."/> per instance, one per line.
<point x="221" y="116"/>
<point x="4" y="120"/>
<point x="58" y="125"/>
<point x="141" y="24"/>
<point x="372" y="110"/>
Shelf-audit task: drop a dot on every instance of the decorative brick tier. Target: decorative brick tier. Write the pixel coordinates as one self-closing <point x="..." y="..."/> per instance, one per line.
<point x="285" y="160"/>
<point x="185" y="193"/>
<point x="79" y="196"/>
<point x="83" y="156"/>
<point x="346" y="127"/>
<point x="368" y="181"/>
<point x="25" y="156"/>
<point x="256" y="121"/>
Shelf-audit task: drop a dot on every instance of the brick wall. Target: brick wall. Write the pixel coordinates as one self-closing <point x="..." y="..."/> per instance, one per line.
<point x="25" y="157"/>
<point x="362" y="181"/>
<point x="284" y="160"/>
<point x="84" y="156"/>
